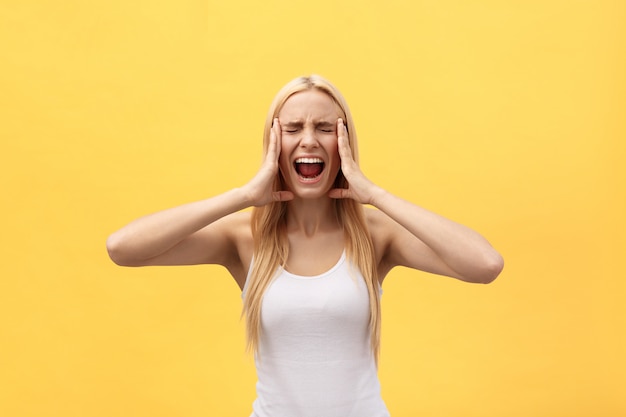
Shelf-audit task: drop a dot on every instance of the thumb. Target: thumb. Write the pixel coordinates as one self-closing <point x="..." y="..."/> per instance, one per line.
<point x="339" y="193"/>
<point x="282" y="195"/>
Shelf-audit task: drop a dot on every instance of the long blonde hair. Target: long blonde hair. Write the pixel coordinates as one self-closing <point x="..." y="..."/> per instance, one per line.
<point x="271" y="248"/>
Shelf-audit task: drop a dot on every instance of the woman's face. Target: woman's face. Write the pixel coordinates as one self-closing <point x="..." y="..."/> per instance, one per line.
<point x="309" y="160"/>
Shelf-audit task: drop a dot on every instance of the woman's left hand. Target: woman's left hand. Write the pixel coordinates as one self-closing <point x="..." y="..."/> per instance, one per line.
<point x="359" y="187"/>
<point x="418" y="238"/>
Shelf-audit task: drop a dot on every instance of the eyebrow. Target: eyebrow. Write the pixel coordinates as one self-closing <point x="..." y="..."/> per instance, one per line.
<point x="324" y="123"/>
<point x="298" y="123"/>
<point x="292" y="124"/>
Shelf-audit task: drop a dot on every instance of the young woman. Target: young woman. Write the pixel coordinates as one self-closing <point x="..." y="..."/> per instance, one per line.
<point x="309" y="258"/>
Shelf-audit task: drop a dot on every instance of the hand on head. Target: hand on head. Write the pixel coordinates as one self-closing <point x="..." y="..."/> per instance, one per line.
<point x="359" y="187"/>
<point x="260" y="189"/>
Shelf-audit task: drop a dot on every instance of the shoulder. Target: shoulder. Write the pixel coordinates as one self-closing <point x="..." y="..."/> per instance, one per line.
<point x="381" y="230"/>
<point x="236" y="222"/>
<point x="374" y="217"/>
<point x="378" y="223"/>
<point x="236" y="227"/>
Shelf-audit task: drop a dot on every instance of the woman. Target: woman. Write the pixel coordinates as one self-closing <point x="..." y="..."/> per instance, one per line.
<point x="309" y="258"/>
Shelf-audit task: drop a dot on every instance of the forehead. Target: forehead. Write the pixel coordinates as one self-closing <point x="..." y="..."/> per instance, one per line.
<point x="309" y="104"/>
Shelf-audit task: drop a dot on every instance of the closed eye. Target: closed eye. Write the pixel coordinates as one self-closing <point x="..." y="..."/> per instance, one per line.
<point x="326" y="127"/>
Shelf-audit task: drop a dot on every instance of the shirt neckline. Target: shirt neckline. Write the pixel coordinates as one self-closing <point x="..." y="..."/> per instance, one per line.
<point x="341" y="260"/>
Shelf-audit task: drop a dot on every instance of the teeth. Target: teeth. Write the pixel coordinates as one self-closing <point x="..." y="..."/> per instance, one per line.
<point x="309" y="161"/>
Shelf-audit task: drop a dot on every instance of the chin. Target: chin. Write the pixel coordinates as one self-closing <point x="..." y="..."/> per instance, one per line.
<point x="307" y="192"/>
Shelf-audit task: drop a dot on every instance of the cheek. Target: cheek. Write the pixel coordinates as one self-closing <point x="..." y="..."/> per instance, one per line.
<point x="333" y="149"/>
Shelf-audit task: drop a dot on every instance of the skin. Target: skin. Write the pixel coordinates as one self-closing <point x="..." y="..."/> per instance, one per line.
<point x="215" y="231"/>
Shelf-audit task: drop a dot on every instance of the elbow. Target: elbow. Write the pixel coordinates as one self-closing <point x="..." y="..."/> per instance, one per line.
<point x="485" y="270"/>
<point x="116" y="251"/>
<point x="491" y="268"/>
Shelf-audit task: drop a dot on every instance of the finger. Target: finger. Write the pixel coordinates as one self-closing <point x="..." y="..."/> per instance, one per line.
<point x="339" y="193"/>
<point x="282" y="195"/>
<point x="277" y="137"/>
<point x="342" y="141"/>
<point x="273" y="150"/>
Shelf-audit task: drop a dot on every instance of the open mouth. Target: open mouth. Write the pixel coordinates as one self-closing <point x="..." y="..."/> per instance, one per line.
<point x="309" y="168"/>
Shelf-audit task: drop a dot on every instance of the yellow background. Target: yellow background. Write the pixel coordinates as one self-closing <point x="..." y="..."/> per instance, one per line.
<point x="507" y="116"/>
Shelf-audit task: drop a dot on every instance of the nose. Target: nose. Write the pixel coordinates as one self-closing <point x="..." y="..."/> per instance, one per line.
<point x="309" y="138"/>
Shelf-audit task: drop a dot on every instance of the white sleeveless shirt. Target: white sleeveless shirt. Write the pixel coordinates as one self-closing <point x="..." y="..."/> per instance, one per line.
<point x="314" y="357"/>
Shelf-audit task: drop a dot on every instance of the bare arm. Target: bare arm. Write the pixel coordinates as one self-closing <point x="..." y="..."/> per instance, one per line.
<point x="416" y="237"/>
<point x="178" y="236"/>
<point x="426" y="241"/>
<point x="198" y="232"/>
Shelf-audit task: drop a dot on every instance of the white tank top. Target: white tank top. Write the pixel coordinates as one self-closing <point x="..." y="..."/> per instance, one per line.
<point x="314" y="357"/>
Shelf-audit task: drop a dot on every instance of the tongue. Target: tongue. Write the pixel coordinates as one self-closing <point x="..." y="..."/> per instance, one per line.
<point x="309" y="170"/>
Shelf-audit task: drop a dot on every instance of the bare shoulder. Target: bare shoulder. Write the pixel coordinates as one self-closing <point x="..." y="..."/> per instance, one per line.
<point x="237" y="227"/>
<point x="380" y="228"/>
<point x="379" y="225"/>
<point x="237" y="223"/>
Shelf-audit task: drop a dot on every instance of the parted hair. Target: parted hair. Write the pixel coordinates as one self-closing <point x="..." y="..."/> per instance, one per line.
<point x="271" y="247"/>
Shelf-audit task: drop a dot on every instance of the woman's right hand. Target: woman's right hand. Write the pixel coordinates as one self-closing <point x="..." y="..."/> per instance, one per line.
<point x="191" y="234"/>
<point x="260" y="190"/>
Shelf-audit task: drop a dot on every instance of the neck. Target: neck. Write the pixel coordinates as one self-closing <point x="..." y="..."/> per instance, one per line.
<point x="311" y="216"/>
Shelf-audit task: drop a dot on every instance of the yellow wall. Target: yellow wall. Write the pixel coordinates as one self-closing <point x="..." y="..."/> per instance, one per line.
<point x="507" y="116"/>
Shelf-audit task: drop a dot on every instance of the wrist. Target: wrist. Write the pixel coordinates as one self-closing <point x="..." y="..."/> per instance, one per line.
<point x="243" y="197"/>
<point x="377" y="196"/>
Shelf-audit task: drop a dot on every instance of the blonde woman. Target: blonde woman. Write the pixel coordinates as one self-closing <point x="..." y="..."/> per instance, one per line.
<point x="309" y="258"/>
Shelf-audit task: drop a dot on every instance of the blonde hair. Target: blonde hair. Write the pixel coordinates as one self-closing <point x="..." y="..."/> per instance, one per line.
<point x="271" y="248"/>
